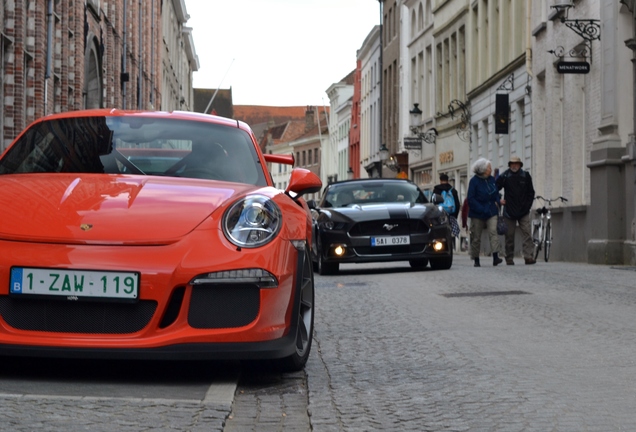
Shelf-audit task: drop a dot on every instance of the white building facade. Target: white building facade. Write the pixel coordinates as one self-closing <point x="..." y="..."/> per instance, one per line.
<point x="369" y="58"/>
<point x="335" y="158"/>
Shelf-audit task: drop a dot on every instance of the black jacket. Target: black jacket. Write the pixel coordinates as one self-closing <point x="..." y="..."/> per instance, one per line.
<point x="446" y="187"/>
<point x="519" y="193"/>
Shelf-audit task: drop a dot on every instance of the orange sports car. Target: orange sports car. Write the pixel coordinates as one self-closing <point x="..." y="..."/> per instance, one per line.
<point x="152" y="235"/>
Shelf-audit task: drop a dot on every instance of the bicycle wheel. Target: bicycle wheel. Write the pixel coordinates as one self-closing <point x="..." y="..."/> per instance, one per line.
<point x="548" y="241"/>
<point x="536" y="239"/>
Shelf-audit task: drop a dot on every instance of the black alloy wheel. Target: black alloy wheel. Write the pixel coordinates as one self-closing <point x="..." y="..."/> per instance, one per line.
<point x="305" y="318"/>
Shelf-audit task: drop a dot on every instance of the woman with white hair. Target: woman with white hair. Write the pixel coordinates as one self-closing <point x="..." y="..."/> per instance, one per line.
<point x="483" y="207"/>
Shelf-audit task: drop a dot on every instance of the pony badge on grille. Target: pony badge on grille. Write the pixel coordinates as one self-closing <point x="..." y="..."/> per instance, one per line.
<point x="389" y="227"/>
<point x="86" y="227"/>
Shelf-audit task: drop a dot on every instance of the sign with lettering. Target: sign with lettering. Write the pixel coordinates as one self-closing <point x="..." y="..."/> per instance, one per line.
<point x="412" y="143"/>
<point x="446" y="157"/>
<point x="573" y="67"/>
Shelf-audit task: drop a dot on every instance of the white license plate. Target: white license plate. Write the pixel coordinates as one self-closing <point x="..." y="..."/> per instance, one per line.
<point x="390" y="241"/>
<point x="75" y="283"/>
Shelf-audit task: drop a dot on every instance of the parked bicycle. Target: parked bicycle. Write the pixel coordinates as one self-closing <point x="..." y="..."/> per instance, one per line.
<point x="542" y="227"/>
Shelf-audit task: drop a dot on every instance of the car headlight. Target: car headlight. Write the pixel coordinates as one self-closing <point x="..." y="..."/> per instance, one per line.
<point x="324" y="220"/>
<point x="439" y="217"/>
<point x="252" y="221"/>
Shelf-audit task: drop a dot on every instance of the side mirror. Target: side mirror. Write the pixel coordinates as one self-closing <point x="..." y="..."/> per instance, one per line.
<point x="303" y="181"/>
<point x="312" y="204"/>
<point x="437" y="199"/>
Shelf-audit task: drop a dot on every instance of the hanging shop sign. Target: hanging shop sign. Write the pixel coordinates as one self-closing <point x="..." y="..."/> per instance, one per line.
<point x="573" y="67"/>
<point x="412" y="143"/>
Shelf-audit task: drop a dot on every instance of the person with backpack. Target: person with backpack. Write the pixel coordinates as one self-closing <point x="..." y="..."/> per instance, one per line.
<point x="451" y="203"/>
<point x="517" y="202"/>
<point x="483" y="208"/>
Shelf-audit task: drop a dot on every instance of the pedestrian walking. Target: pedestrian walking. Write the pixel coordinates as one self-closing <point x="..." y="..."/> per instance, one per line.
<point x="444" y="188"/>
<point x="517" y="202"/>
<point x="483" y="208"/>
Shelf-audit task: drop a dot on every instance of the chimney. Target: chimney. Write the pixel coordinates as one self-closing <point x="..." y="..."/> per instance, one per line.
<point x="309" y="118"/>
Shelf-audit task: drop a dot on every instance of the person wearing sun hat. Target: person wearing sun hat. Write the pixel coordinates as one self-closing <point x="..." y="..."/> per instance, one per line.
<point x="517" y="202"/>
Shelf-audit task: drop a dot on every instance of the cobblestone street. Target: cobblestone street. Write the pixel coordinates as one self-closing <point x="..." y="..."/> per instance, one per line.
<point x="533" y="348"/>
<point x="507" y="348"/>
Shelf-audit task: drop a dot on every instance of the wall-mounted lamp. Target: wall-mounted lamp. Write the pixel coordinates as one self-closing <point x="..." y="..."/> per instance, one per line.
<point x="588" y="29"/>
<point x="430" y="136"/>
<point x="350" y="173"/>
<point x="384" y="153"/>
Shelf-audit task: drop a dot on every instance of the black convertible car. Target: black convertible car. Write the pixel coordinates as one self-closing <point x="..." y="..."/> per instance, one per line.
<point x="374" y="220"/>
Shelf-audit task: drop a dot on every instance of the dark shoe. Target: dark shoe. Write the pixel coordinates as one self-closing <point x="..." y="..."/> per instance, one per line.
<point x="530" y="261"/>
<point x="509" y="261"/>
<point x="495" y="259"/>
<point x="477" y="262"/>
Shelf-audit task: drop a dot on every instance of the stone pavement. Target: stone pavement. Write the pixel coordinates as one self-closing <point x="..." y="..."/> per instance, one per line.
<point x="508" y="348"/>
<point x="547" y="347"/>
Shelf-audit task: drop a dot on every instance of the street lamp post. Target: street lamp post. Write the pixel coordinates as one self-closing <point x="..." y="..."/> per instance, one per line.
<point x="384" y="156"/>
<point x="430" y="136"/>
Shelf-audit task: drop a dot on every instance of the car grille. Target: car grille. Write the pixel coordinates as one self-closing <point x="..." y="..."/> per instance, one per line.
<point x="76" y="317"/>
<point x="223" y="306"/>
<point x="400" y="227"/>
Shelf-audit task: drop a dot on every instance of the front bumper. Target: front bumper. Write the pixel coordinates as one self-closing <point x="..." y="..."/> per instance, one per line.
<point x="273" y="349"/>
<point x="358" y="249"/>
<point x="172" y="319"/>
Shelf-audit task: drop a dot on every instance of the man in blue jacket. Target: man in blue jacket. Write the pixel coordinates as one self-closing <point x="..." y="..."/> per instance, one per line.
<point x="518" y="199"/>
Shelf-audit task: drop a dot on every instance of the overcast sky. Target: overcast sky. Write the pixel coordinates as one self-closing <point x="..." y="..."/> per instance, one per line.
<point x="278" y="52"/>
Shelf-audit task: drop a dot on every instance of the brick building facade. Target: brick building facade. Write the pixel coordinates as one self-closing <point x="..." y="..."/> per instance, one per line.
<point x="64" y="55"/>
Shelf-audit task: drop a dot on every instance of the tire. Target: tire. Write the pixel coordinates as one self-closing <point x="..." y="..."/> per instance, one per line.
<point x="419" y="264"/>
<point x="442" y="263"/>
<point x="305" y="319"/>
<point x="548" y="241"/>
<point x="326" y="268"/>
<point x="536" y="239"/>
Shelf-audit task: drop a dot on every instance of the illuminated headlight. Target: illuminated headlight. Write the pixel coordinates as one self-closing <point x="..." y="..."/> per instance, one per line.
<point x="252" y="222"/>
<point x="339" y="250"/>
<point x="438" y="246"/>
<point x="260" y="277"/>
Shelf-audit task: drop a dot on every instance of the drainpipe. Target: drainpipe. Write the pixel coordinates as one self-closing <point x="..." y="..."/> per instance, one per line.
<point x="123" y="60"/>
<point x="49" y="54"/>
<point x="140" y="96"/>
<point x="152" y="54"/>
<point x="528" y="38"/>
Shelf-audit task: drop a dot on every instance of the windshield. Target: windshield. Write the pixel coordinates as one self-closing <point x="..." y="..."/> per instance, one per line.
<point x="371" y="193"/>
<point x="136" y="145"/>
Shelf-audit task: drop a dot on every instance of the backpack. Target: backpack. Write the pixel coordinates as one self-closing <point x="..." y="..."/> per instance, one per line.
<point x="449" y="201"/>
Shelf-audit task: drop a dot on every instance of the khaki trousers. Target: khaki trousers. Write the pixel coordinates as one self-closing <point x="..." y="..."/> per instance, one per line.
<point x="477" y="226"/>
<point x="526" y="237"/>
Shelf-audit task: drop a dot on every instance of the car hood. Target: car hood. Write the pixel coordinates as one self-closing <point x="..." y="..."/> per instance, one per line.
<point x="361" y="213"/>
<point x="99" y="209"/>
